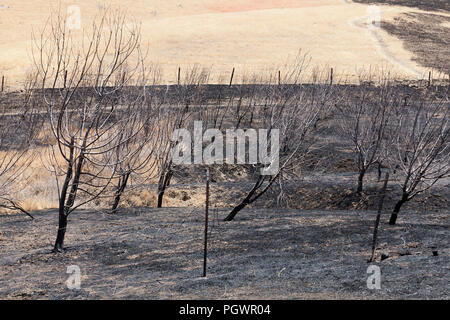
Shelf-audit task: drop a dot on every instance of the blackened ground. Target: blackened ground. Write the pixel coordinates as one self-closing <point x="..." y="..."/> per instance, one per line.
<point x="147" y="253"/>
<point x="426" y="35"/>
<point x="431" y="5"/>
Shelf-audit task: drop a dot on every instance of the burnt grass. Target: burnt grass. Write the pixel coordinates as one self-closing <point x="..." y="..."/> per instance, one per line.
<point x="145" y="253"/>
<point x="422" y="33"/>
<point x="313" y="245"/>
<point x="430" y="5"/>
<point x="425" y="36"/>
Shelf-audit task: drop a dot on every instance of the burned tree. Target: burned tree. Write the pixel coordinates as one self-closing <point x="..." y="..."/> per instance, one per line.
<point x="181" y="102"/>
<point x="83" y="80"/>
<point x="363" y="118"/>
<point x="136" y="157"/>
<point x="419" y="151"/>
<point x="19" y="121"/>
<point x="291" y="111"/>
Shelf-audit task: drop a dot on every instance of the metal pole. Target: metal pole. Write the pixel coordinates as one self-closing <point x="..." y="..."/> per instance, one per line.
<point x="205" y="249"/>
<point x="377" y="220"/>
<point x="232" y="75"/>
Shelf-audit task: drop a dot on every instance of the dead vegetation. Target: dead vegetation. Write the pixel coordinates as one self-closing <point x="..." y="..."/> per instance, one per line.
<point x="149" y="253"/>
<point x="426" y="35"/>
<point x="430" y="5"/>
<point x="106" y="149"/>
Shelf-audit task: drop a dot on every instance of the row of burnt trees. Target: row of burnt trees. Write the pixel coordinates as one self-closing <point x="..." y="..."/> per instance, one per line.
<point x="390" y="127"/>
<point x="402" y="130"/>
<point x="112" y="126"/>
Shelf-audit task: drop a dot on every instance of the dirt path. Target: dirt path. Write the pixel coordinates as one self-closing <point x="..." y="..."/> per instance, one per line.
<point x="377" y="36"/>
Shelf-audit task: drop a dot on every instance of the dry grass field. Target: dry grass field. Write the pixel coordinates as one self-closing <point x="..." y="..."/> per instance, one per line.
<point x="247" y="35"/>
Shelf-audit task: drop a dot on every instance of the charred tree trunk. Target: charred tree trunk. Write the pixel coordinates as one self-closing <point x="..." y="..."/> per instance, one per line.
<point x="163" y="183"/>
<point x="62" y="225"/>
<point x="63" y="211"/>
<point x="379" y="171"/>
<point x="123" y="180"/>
<point x="65" y="205"/>
<point x="238" y="208"/>
<point x="359" y="189"/>
<point x="247" y="200"/>
<point x="397" y="207"/>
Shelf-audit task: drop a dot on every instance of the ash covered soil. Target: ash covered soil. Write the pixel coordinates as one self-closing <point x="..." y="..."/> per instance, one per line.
<point x="146" y="253"/>
<point x="316" y="247"/>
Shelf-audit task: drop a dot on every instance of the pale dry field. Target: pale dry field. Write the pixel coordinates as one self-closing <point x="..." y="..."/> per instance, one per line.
<point x="252" y="36"/>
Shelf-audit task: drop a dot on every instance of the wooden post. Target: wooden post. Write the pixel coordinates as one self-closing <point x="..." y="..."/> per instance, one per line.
<point x="429" y="78"/>
<point x="3" y="82"/>
<point x="205" y="249"/>
<point x="179" y="75"/>
<point x="279" y="77"/>
<point x="331" y="76"/>
<point x="377" y="220"/>
<point x="231" y="78"/>
<point x="65" y="78"/>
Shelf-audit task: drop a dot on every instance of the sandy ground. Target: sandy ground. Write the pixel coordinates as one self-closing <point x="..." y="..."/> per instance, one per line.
<point x="252" y="36"/>
<point x="267" y="254"/>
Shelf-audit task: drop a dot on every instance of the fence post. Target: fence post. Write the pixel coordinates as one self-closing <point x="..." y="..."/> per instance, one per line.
<point x="429" y="78"/>
<point x="331" y="76"/>
<point x="377" y="220"/>
<point x="179" y="72"/>
<point x="231" y="78"/>
<point x="279" y="77"/>
<point x="205" y="249"/>
<point x="3" y="82"/>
